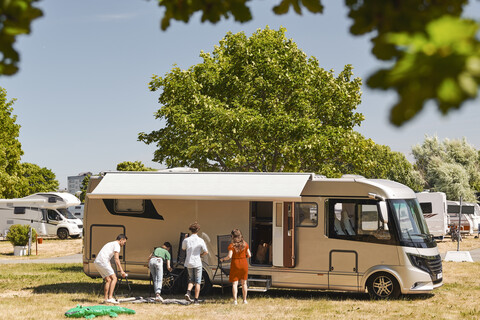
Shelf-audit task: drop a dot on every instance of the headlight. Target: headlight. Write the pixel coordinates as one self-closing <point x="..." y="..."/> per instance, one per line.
<point x="418" y="261"/>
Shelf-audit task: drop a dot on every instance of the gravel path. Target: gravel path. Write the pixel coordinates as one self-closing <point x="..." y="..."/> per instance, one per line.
<point x="73" y="258"/>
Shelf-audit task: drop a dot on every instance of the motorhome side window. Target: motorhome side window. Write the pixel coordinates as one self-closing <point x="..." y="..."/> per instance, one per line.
<point x="129" y="206"/>
<point x="357" y="220"/>
<point x="19" y="210"/>
<point x="306" y="214"/>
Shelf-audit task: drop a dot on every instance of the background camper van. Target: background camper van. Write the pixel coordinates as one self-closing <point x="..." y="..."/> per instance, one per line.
<point x="46" y="212"/>
<point x="348" y="234"/>
<point x="466" y="222"/>
<point x="434" y="208"/>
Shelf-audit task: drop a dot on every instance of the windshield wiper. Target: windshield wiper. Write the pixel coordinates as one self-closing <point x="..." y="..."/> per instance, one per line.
<point x="429" y="237"/>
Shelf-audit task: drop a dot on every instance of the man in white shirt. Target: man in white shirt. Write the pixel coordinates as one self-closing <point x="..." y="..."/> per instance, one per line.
<point x="104" y="267"/>
<point x="196" y="248"/>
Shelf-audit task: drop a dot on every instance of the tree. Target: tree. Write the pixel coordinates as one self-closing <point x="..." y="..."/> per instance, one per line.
<point x="35" y="179"/>
<point x="10" y="147"/>
<point x="451" y="166"/>
<point x="83" y="190"/>
<point x="133" y="166"/>
<point x="15" y="19"/>
<point x="434" y="54"/>
<point x="260" y="104"/>
<point x="388" y="164"/>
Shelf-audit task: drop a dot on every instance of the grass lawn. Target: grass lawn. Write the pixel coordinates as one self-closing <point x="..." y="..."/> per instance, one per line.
<point x="46" y="291"/>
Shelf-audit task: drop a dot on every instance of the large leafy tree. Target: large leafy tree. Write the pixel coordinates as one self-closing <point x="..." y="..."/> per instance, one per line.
<point x="450" y="166"/>
<point x="434" y="52"/>
<point x="260" y="104"/>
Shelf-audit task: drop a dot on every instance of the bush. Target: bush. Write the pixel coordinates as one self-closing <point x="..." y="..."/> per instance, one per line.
<point x="18" y="234"/>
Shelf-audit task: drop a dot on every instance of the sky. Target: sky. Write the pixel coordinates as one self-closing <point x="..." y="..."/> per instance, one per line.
<point x="82" y="92"/>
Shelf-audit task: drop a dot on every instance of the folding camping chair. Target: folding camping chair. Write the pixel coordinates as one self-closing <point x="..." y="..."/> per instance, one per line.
<point x="223" y="241"/>
<point x="120" y="281"/>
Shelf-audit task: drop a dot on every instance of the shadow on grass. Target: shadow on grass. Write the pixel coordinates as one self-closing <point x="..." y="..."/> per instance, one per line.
<point x="145" y="290"/>
<point x="90" y="288"/>
<point x="9" y="254"/>
<point x="68" y="268"/>
<point x="299" y="294"/>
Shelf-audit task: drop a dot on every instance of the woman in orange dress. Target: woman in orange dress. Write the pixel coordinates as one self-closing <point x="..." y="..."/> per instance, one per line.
<point x="239" y="252"/>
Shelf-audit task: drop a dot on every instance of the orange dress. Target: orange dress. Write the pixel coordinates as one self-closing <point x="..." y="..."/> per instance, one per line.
<point x="239" y="264"/>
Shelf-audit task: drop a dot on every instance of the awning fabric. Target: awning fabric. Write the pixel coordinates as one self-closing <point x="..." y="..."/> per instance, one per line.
<point x="201" y="186"/>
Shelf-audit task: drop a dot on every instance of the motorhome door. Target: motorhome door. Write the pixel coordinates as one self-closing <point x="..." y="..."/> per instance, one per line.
<point x="53" y="219"/>
<point x="283" y="234"/>
<point x="102" y="234"/>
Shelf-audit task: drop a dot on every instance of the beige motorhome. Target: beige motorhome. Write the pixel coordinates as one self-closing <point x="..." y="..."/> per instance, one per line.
<point x="304" y="231"/>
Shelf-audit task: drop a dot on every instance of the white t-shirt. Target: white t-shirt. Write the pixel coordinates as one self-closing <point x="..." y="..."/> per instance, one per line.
<point x="194" y="246"/>
<point x="107" y="252"/>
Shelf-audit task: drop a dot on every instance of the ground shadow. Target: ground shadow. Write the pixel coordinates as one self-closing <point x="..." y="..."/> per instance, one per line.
<point x="144" y="289"/>
<point x="301" y="294"/>
<point x="296" y="294"/>
<point x="90" y="288"/>
<point x="8" y="254"/>
<point x="68" y="268"/>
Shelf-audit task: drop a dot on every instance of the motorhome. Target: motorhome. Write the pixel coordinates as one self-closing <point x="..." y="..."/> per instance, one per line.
<point x="466" y="222"/>
<point x="434" y="208"/>
<point x="46" y="212"/>
<point x="346" y="234"/>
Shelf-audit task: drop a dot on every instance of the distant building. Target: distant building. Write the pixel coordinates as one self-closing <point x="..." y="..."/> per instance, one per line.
<point x="75" y="182"/>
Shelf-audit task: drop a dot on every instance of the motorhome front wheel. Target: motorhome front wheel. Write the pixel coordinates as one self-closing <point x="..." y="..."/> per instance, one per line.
<point x="62" y="233"/>
<point x="383" y="285"/>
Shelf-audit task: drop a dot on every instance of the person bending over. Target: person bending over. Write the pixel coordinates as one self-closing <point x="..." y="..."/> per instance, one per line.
<point x="104" y="267"/>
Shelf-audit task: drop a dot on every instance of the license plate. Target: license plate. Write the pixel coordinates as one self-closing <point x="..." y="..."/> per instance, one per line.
<point x="440" y="275"/>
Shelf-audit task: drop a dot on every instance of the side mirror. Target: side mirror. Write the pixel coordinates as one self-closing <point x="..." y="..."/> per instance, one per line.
<point x="384" y="211"/>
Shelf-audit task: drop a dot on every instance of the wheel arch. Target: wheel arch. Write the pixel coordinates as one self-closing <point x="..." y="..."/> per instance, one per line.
<point x="377" y="269"/>
<point x="60" y="229"/>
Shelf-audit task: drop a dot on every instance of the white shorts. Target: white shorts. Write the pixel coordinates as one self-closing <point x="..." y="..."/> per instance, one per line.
<point x="104" y="270"/>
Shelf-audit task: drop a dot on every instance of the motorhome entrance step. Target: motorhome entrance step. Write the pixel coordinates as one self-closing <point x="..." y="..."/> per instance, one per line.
<point x="259" y="284"/>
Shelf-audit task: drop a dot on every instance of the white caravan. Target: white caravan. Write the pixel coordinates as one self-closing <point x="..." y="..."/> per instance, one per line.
<point x="434" y="208"/>
<point x="348" y="234"/>
<point x="46" y="212"/>
<point x="476" y="217"/>
<point x="466" y="222"/>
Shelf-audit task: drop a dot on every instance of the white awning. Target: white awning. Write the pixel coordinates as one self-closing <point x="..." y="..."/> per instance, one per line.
<point x="201" y="186"/>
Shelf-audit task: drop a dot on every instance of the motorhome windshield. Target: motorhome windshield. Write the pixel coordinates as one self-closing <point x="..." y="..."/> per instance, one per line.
<point x="67" y="214"/>
<point x="412" y="228"/>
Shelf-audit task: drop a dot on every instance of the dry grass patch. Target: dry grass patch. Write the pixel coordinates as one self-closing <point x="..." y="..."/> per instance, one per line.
<point x="48" y="249"/>
<point x="467" y="244"/>
<point x="46" y="291"/>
